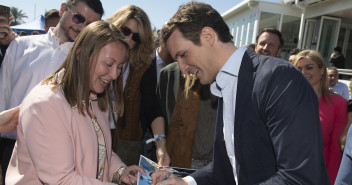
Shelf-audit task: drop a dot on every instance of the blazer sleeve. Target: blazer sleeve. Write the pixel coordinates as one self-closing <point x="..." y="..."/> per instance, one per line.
<point x="150" y="101"/>
<point x="49" y="143"/>
<point x="289" y="107"/>
<point x="204" y="175"/>
<point x="340" y="119"/>
<point x="344" y="174"/>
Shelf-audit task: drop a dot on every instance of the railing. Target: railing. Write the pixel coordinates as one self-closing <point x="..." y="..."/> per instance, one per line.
<point x="345" y="72"/>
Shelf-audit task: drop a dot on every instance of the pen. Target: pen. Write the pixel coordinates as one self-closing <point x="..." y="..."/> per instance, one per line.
<point x="165" y="177"/>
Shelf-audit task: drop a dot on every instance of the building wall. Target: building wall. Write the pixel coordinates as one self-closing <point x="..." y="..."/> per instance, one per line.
<point x="242" y="27"/>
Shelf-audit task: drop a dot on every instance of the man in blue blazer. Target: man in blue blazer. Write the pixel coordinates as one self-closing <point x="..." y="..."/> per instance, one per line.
<point x="268" y="129"/>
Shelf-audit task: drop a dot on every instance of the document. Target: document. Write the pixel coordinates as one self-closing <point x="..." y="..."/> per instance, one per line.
<point x="150" y="167"/>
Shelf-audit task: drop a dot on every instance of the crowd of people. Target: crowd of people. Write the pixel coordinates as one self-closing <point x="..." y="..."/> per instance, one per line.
<point x="81" y="103"/>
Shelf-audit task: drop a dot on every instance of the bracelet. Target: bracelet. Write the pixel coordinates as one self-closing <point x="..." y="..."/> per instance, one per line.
<point x="116" y="178"/>
<point x="156" y="139"/>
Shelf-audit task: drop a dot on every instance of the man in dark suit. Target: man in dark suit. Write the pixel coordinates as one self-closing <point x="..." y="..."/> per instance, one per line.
<point x="167" y="88"/>
<point x="268" y="129"/>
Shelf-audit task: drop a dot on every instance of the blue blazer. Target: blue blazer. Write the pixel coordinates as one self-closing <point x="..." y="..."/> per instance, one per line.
<point x="344" y="177"/>
<point x="277" y="129"/>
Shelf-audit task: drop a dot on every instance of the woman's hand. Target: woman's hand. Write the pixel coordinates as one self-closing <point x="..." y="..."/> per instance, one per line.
<point x="9" y="120"/>
<point x="129" y="175"/>
<point x="161" y="153"/>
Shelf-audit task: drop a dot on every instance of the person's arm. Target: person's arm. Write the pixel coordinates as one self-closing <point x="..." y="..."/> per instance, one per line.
<point x="49" y="144"/>
<point x="9" y="120"/>
<point x="291" y="111"/>
<point x="153" y="114"/>
<point x="6" y="71"/>
<point x="345" y="170"/>
<point x="340" y="119"/>
<point x="158" y="128"/>
<point x="343" y="136"/>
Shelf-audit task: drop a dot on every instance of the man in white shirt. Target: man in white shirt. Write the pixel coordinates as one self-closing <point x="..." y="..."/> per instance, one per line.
<point x="336" y="86"/>
<point x="268" y="129"/>
<point x="30" y="59"/>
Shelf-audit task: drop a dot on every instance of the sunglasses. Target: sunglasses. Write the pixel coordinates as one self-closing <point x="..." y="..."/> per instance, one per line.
<point x="135" y="36"/>
<point x="77" y="18"/>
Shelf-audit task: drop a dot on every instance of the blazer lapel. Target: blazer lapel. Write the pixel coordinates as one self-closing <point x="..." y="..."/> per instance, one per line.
<point x="244" y="93"/>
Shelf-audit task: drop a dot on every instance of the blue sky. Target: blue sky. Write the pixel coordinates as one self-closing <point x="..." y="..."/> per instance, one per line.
<point x="159" y="11"/>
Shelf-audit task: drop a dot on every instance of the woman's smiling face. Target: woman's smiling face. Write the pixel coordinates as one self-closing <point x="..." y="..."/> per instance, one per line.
<point x="108" y="66"/>
<point x="311" y="71"/>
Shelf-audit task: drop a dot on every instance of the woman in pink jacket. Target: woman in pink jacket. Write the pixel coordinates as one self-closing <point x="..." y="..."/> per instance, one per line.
<point x="63" y="133"/>
<point x="332" y="107"/>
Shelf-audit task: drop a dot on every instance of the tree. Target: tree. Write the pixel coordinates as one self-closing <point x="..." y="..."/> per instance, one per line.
<point x="18" y="16"/>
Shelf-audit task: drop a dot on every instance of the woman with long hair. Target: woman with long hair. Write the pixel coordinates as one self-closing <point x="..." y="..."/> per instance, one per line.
<point x="140" y="110"/>
<point x="63" y="132"/>
<point x="332" y="107"/>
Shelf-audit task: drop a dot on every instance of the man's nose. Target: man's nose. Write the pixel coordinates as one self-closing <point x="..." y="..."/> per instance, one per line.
<point x="183" y="67"/>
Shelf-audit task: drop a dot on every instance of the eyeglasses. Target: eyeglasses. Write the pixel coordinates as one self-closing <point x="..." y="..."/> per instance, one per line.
<point x="77" y="18"/>
<point x="135" y="36"/>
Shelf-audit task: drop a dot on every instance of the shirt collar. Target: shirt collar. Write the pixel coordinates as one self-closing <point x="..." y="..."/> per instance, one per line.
<point x="54" y="40"/>
<point x="159" y="60"/>
<point x="230" y="68"/>
<point x="51" y="37"/>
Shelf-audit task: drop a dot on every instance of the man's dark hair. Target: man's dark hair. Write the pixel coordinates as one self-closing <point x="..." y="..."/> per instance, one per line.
<point x="273" y="31"/>
<point x="295" y="51"/>
<point x="191" y="18"/>
<point x="338" y="49"/>
<point x="53" y="13"/>
<point x="95" y="5"/>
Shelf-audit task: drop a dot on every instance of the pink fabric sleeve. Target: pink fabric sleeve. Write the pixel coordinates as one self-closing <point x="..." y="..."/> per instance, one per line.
<point x="340" y="119"/>
<point x="50" y="145"/>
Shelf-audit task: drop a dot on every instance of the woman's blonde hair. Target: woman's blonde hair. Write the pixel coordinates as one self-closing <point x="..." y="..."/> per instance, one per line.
<point x="316" y="57"/>
<point x="143" y="52"/>
<point x="81" y="60"/>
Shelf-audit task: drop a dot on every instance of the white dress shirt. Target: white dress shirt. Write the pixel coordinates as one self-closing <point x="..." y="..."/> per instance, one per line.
<point x="159" y="64"/>
<point x="28" y="61"/>
<point x="225" y="86"/>
<point x="341" y="89"/>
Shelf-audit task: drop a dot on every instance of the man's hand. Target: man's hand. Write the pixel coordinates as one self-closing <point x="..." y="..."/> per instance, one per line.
<point x="9" y="120"/>
<point x="332" y="54"/>
<point x="171" y="180"/>
<point x="6" y="33"/>
<point x="161" y="153"/>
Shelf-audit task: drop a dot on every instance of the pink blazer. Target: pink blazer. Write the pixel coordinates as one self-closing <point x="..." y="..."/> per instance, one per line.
<point x="56" y="144"/>
<point x="333" y="118"/>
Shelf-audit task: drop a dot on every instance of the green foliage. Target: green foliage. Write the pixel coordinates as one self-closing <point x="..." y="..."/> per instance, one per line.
<point x="18" y="16"/>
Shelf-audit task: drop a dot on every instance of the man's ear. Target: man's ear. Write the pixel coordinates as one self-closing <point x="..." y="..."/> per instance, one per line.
<point x="278" y="54"/>
<point x="62" y="9"/>
<point x="46" y="29"/>
<point x="208" y="35"/>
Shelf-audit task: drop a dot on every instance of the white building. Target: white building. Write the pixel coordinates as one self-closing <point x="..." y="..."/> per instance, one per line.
<point x="306" y="24"/>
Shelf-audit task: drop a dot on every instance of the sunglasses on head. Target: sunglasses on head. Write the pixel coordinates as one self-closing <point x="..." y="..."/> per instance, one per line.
<point x="135" y="36"/>
<point x="77" y="18"/>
